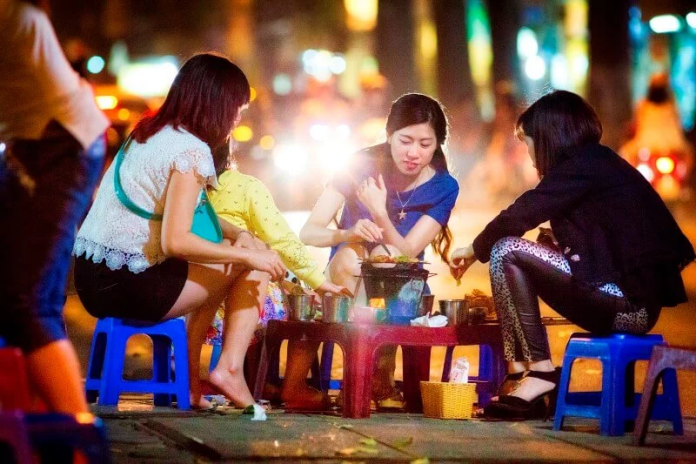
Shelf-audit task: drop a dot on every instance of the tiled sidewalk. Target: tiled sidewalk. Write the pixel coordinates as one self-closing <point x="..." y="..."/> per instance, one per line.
<point x="140" y="433"/>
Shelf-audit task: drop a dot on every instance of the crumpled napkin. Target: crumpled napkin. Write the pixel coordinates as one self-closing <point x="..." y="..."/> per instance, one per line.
<point x="258" y="412"/>
<point x="425" y="321"/>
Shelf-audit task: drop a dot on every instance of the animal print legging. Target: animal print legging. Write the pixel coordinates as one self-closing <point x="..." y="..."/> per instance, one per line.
<point x="522" y="270"/>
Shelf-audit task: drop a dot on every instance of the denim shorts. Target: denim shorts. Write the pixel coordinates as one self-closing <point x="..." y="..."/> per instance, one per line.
<point x="46" y="186"/>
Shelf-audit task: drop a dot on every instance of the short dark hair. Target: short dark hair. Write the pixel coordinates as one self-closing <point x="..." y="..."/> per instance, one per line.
<point x="558" y="123"/>
<point x="205" y="99"/>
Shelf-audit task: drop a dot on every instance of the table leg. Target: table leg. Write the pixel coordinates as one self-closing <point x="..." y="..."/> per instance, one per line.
<point x="269" y="347"/>
<point x="359" y="359"/>
<point x="416" y="361"/>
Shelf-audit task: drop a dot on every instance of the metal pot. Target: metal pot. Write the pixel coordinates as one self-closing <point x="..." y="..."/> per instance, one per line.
<point x="301" y="307"/>
<point x="335" y="308"/>
<point x="457" y="311"/>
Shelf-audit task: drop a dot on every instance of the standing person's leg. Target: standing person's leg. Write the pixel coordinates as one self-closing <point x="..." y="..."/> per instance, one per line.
<point x="44" y="195"/>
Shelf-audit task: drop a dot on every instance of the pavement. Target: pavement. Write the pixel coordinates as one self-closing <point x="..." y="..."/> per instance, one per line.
<point x="140" y="433"/>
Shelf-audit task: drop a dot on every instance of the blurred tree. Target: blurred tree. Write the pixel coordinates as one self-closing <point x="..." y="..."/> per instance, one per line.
<point x="610" y="67"/>
<point x="453" y="74"/>
<point x="505" y="22"/>
<point x="394" y="46"/>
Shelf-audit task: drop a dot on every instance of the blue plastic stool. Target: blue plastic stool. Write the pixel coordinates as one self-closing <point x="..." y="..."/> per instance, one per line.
<point x="106" y="359"/>
<point x="618" y="402"/>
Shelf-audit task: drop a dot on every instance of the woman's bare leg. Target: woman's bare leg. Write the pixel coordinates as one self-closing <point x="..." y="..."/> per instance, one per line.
<point x="300" y="358"/>
<point x="206" y="287"/>
<point x="246" y="297"/>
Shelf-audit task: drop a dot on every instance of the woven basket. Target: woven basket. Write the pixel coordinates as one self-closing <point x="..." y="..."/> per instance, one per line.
<point x="443" y="400"/>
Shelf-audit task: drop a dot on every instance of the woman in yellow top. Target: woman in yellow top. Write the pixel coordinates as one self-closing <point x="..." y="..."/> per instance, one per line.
<point x="246" y="203"/>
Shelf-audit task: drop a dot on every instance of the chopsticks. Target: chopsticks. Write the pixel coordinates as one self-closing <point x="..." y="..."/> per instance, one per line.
<point x="385" y="248"/>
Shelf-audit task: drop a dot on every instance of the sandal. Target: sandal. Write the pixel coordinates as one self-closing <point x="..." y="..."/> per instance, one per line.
<point x="395" y="400"/>
<point x="540" y="407"/>
<point x="510" y="383"/>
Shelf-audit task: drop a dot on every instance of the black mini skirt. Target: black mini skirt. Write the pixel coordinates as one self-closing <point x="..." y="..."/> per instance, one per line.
<point x="145" y="296"/>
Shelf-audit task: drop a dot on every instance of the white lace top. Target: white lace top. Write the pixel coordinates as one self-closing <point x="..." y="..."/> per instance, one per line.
<point x="112" y="232"/>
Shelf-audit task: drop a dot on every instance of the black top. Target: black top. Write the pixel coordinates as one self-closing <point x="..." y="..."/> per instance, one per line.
<point x="609" y="222"/>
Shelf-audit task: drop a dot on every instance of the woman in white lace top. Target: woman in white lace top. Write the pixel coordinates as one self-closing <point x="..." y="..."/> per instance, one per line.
<point x="130" y="267"/>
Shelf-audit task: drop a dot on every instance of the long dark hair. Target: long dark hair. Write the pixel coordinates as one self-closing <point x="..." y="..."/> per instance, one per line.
<point x="559" y="123"/>
<point x="416" y="108"/>
<point x="205" y="99"/>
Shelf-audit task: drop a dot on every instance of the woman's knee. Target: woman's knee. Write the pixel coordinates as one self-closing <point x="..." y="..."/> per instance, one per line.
<point x="505" y="246"/>
<point x="346" y="261"/>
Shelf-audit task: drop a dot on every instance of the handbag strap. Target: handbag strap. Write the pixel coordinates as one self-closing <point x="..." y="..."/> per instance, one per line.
<point x="121" y="194"/>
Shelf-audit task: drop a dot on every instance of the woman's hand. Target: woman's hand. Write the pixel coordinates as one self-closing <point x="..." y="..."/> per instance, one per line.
<point x="460" y="260"/>
<point x="373" y="194"/>
<point x="248" y="241"/>
<point x="266" y="261"/>
<point x="330" y="287"/>
<point x="364" y="231"/>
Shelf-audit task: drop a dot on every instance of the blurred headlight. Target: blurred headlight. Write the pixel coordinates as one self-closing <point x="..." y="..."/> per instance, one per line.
<point x="290" y="159"/>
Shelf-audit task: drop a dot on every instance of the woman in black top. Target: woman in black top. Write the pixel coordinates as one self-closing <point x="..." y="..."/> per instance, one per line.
<point x="612" y="262"/>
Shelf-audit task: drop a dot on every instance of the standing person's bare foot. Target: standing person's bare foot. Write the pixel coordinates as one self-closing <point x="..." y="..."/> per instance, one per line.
<point x="233" y="386"/>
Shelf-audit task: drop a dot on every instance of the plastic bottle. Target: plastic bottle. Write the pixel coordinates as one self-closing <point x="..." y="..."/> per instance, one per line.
<point x="460" y="371"/>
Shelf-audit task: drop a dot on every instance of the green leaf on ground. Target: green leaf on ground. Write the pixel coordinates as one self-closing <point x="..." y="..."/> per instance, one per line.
<point x="366" y="450"/>
<point x="403" y="442"/>
<point x="369" y="442"/>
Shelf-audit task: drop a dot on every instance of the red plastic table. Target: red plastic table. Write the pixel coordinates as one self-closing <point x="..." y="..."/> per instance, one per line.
<point x="360" y="342"/>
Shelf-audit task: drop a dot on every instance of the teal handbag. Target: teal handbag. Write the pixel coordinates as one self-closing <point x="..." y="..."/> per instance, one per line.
<point x="205" y="222"/>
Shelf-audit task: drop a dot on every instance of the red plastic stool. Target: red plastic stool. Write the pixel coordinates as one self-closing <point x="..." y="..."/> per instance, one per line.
<point x="14" y="382"/>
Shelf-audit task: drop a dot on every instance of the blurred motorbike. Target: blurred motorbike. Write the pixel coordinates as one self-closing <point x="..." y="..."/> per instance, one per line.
<point x="667" y="172"/>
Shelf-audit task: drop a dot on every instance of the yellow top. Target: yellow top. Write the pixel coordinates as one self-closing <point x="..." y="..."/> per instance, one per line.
<point x="245" y="202"/>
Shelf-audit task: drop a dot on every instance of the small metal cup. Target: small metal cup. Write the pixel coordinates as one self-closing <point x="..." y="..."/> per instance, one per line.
<point x="426" y="305"/>
<point x="301" y="307"/>
<point x="335" y="308"/>
<point x="457" y="311"/>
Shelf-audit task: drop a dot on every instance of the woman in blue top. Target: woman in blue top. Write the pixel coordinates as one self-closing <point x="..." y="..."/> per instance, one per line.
<point x="399" y="193"/>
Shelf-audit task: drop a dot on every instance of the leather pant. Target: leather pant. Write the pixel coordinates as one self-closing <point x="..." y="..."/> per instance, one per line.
<point x="523" y="271"/>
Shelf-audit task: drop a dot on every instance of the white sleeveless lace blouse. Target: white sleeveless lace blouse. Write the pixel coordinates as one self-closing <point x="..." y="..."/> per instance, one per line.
<point x="113" y="233"/>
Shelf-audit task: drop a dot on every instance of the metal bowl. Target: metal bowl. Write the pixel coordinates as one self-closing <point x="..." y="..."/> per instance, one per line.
<point x="301" y="307"/>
